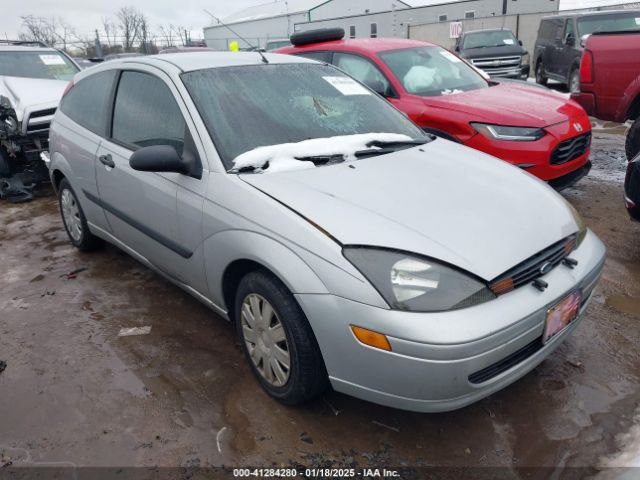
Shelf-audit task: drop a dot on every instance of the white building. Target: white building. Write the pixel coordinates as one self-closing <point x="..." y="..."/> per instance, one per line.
<point x="276" y="20"/>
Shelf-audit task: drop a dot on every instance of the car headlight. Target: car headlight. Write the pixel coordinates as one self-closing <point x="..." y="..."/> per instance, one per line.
<point x="502" y="132"/>
<point x="582" y="227"/>
<point x="10" y="125"/>
<point x="525" y="59"/>
<point x="417" y="284"/>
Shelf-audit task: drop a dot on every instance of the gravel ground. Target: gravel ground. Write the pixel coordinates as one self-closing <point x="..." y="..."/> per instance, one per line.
<point x="75" y="393"/>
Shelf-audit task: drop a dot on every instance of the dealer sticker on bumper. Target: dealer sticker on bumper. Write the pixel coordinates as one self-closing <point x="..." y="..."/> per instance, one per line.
<point x="560" y="316"/>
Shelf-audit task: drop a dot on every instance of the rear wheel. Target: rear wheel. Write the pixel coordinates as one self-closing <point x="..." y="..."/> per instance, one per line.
<point x="75" y="223"/>
<point x="277" y="340"/>
<point x="540" y="78"/>
<point x="632" y="144"/>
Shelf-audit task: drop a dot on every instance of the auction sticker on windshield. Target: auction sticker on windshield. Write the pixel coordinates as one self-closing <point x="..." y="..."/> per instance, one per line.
<point x="560" y="316"/>
<point x="347" y="86"/>
<point x="52" y="59"/>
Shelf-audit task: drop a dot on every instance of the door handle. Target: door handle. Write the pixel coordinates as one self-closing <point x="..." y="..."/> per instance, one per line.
<point x="107" y="161"/>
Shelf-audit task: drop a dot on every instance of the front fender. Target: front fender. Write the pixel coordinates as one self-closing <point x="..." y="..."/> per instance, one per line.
<point x="222" y="249"/>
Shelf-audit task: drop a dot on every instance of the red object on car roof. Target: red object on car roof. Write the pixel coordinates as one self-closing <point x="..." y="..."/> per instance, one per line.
<point x="530" y="126"/>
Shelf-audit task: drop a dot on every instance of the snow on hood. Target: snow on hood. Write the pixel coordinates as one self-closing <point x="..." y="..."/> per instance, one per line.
<point x="441" y="200"/>
<point x="31" y="92"/>
<point x="285" y="156"/>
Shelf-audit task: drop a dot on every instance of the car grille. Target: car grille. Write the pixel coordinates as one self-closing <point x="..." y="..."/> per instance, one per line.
<point x="498" y="66"/>
<point x="40" y="121"/>
<point x="571" y="149"/>
<point x="534" y="267"/>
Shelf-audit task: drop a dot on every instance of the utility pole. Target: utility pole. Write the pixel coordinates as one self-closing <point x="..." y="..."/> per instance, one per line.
<point x="99" y="53"/>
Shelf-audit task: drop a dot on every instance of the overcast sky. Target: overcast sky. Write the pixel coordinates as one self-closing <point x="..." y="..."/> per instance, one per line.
<point x="85" y="15"/>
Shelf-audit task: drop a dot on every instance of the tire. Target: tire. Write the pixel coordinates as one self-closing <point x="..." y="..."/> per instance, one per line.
<point x="73" y="219"/>
<point x="540" y="78"/>
<point x="5" y="170"/>
<point x="306" y="376"/>
<point x="574" y="80"/>
<point x="632" y="143"/>
<point x="316" y="36"/>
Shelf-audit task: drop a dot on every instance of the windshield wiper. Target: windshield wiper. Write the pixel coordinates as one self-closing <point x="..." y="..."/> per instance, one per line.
<point x="247" y="169"/>
<point x="401" y="143"/>
<point x="323" y="159"/>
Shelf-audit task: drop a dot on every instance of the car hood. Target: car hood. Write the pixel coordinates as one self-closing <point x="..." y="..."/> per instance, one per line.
<point x="30" y="93"/>
<point x="441" y="200"/>
<point x="510" y="104"/>
<point x="488" y="52"/>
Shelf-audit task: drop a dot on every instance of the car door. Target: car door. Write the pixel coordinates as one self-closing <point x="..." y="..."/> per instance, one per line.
<point x="557" y="48"/>
<point x="566" y="55"/>
<point x="157" y="215"/>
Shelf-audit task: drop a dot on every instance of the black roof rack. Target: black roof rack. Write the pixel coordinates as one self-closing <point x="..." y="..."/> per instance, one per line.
<point x="23" y="43"/>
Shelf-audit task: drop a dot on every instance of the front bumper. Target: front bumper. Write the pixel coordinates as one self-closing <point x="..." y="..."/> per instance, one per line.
<point x="435" y="354"/>
<point x="535" y="157"/>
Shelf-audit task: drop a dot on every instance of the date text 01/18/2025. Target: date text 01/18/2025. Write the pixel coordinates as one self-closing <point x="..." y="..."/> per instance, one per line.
<point x="315" y="473"/>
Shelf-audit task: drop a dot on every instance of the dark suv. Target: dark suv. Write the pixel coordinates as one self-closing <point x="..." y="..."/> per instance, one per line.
<point x="498" y="52"/>
<point x="561" y="41"/>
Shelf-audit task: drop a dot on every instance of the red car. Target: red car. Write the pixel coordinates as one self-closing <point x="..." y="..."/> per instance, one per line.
<point x="526" y="125"/>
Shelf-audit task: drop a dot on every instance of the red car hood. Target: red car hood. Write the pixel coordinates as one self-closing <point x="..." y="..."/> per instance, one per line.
<point x="511" y="104"/>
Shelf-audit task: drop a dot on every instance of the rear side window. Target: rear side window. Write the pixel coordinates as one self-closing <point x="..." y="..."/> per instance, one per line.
<point x="548" y="30"/>
<point x="146" y="113"/>
<point x="87" y="102"/>
<point x="324" y="57"/>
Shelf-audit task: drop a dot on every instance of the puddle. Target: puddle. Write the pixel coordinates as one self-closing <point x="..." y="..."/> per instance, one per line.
<point x="625" y="304"/>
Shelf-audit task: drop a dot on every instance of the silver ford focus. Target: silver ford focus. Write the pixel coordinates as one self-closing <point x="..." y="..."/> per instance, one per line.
<point x="350" y="248"/>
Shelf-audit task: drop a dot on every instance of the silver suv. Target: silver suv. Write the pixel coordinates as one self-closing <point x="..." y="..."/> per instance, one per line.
<point x="348" y="247"/>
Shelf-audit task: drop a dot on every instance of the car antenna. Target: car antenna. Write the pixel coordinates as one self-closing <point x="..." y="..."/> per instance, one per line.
<point x="257" y="49"/>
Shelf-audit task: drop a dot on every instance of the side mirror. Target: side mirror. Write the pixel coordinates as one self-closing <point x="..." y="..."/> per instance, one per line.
<point x="583" y="40"/>
<point x="377" y="86"/>
<point x="158" y="158"/>
<point x="520" y="43"/>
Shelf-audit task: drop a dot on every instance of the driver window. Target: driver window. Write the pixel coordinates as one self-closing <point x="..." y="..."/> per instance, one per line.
<point x="146" y="113"/>
<point x="569" y="30"/>
<point x="361" y="69"/>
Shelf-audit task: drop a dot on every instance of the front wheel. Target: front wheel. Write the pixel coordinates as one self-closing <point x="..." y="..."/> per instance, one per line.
<point x="632" y="144"/>
<point x="75" y="223"/>
<point x="540" y="78"/>
<point x="277" y="340"/>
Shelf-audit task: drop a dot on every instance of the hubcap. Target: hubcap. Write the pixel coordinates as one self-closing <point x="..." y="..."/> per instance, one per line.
<point x="265" y="339"/>
<point x="71" y="214"/>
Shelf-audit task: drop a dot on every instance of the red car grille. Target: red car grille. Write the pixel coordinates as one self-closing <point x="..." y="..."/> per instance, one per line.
<point x="571" y="149"/>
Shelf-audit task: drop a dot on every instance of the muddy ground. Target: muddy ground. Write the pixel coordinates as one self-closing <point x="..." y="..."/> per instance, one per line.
<point x="75" y="393"/>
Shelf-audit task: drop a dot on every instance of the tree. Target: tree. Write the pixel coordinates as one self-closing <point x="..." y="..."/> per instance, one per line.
<point x="130" y="22"/>
<point x="39" y="29"/>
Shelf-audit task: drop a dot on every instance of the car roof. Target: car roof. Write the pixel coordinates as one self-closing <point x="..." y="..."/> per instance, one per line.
<point x="588" y="14"/>
<point x="197" y="61"/>
<point x="363" y="45"/>
<point x="488" y="30"/>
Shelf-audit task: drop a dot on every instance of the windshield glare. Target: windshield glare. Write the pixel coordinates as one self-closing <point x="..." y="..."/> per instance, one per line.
<point x="609" y="23"/>
<point x="496" y="38"/>
<point x="260" y="105"/>
<point x="432" y="71"/>
<point x="46" y="65"/>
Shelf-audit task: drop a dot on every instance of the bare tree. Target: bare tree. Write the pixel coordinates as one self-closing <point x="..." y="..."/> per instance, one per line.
<point x="167" y="35"/>
<point x="183" y="34"/>
<point x="110" y="31"/>
<point x="130" y="19"/>
<point x="39" y="29"/>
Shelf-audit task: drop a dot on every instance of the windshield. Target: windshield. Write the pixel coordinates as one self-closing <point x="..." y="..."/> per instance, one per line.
<point x="495" y="38"/>
<point x="47" y="64"/>
<point x="609" y="23"/>
<point x="260" y="105"/>
<point x="432" y="71"/>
